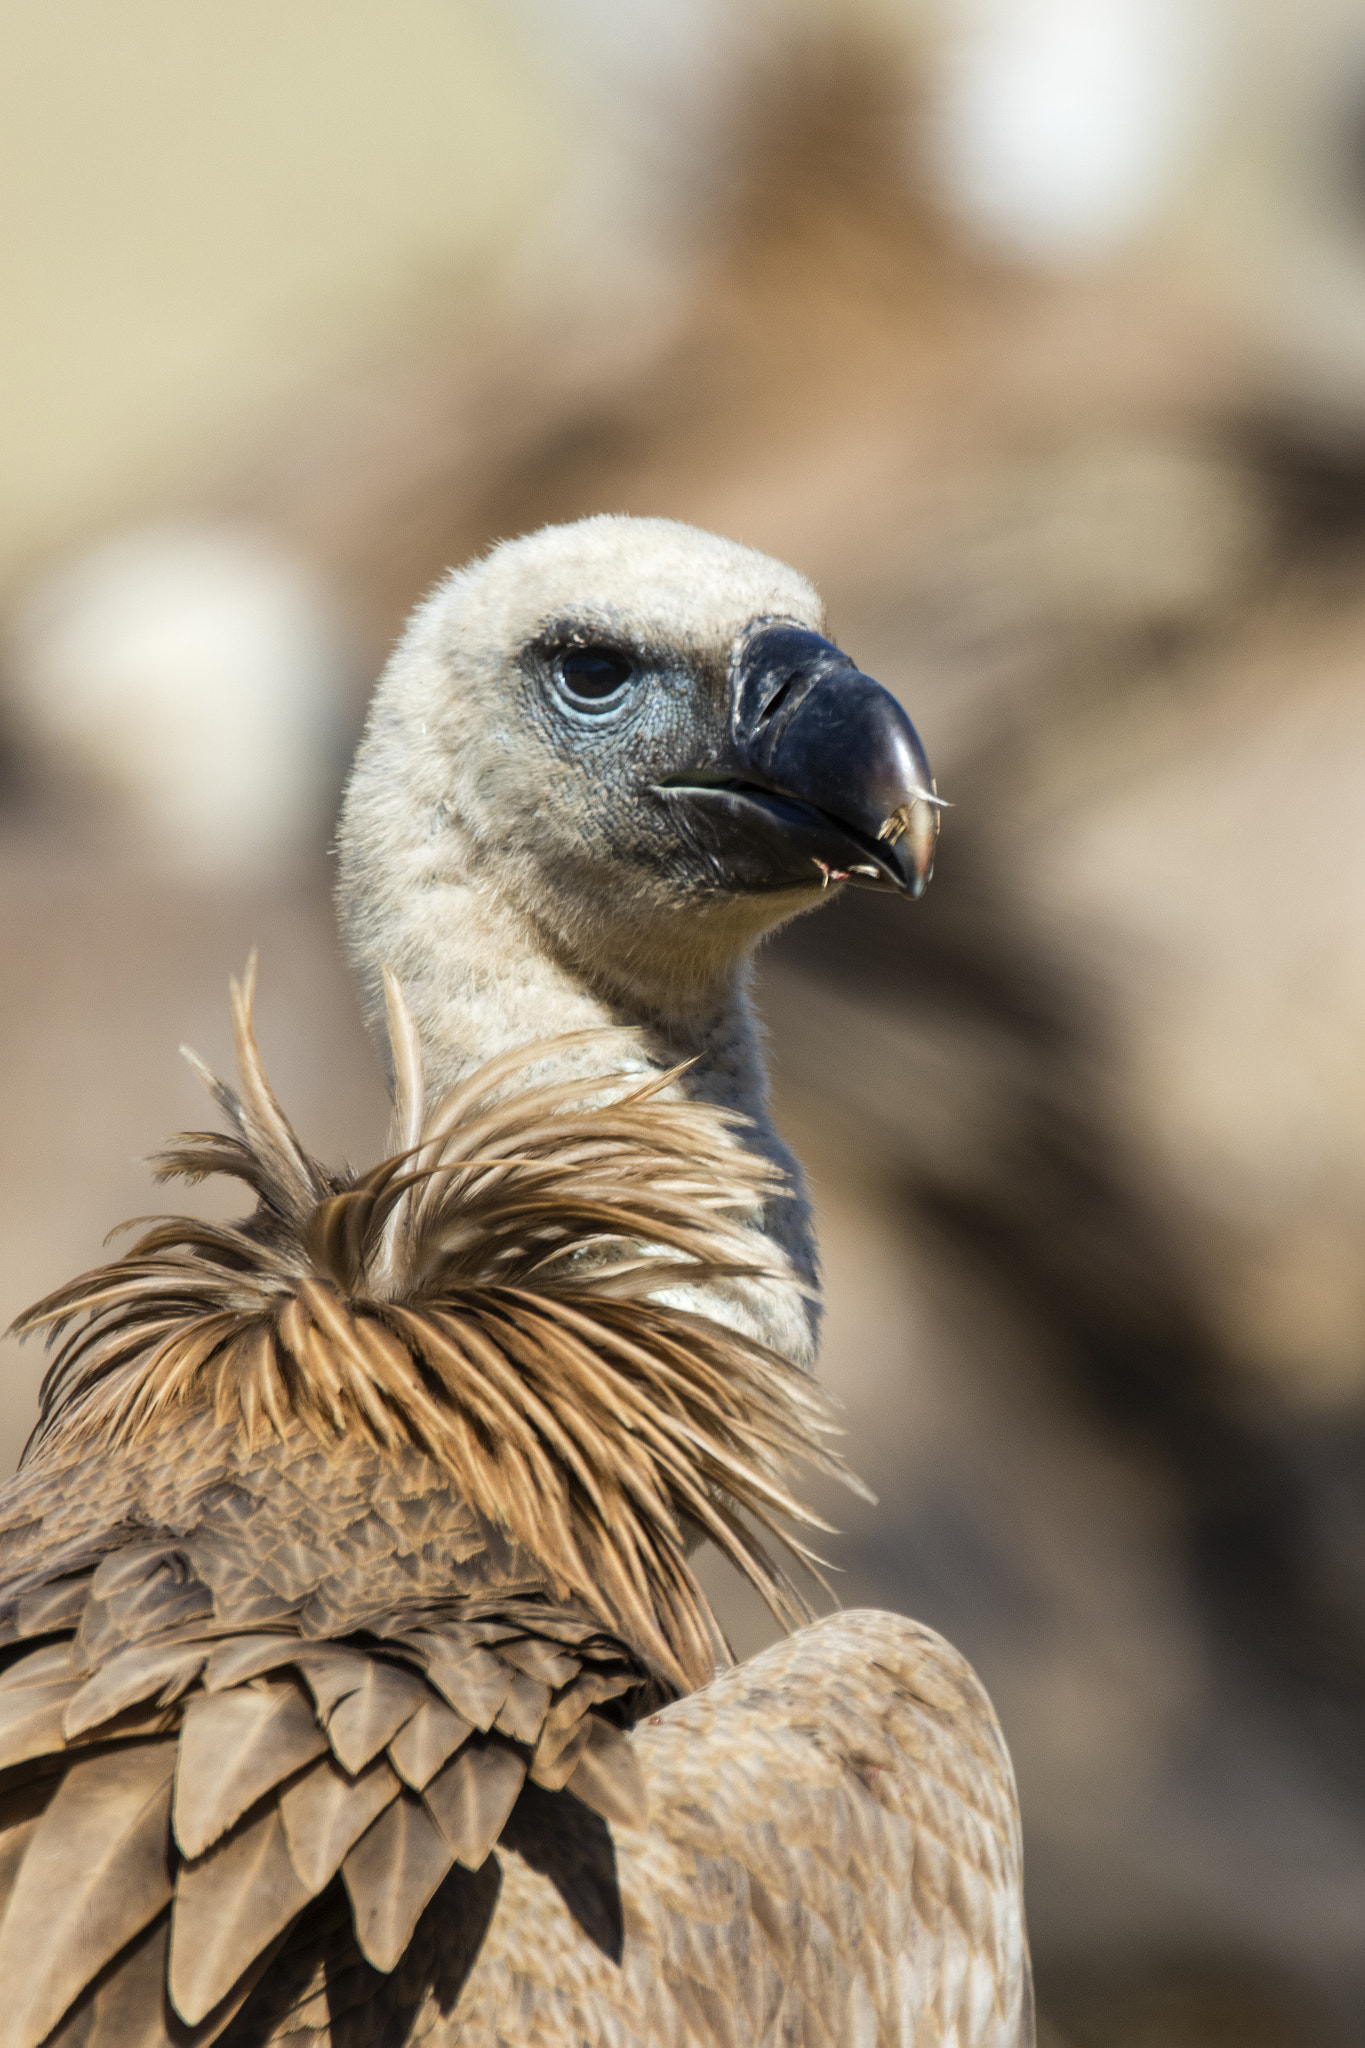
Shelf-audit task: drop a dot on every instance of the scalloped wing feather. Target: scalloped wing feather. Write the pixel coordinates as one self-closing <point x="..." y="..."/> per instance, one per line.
<point x="242" y="1803"/>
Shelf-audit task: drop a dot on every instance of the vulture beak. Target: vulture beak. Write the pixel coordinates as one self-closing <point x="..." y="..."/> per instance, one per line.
<point x="821" y="770"/>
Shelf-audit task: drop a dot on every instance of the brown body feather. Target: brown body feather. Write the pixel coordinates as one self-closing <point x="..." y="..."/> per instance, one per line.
<point x="345" y="1524"/>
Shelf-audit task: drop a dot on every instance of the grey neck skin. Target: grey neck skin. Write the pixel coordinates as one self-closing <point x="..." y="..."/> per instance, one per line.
<point x="481" y="977"/>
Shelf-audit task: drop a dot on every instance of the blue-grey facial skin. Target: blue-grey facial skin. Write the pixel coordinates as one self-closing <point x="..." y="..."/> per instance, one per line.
<point x="778" y="774"/>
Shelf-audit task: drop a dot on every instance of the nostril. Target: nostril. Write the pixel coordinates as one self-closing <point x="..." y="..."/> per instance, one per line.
<point x="775" y="702"/>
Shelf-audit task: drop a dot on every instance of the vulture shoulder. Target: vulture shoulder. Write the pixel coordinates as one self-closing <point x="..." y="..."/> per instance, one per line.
<point x="833" y="1857"/>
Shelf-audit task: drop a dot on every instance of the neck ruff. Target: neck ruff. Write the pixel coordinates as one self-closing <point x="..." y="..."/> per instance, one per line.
<point x="494" y="1294"/>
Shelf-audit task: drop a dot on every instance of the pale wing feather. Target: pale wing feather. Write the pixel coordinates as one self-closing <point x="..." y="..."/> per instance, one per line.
<point x="135" y="1675"/>
<point x="472" y="1797"/>
<point x="95" y="1874"/>
<point x="229" y="1905"/>
<point x="372" y="1715"/>
<point x="326" y="1811"/>
<point x="391" y="1873"/>
<point x="31" y="1720"/>
<point x="607" y="1777"/>
<point x="129" y="2008"/>
<point x="427" y="1741"/>
<point x="234" y="1746"/>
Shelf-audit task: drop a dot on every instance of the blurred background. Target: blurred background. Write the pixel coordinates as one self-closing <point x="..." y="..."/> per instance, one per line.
<point x="1034" y="331"/>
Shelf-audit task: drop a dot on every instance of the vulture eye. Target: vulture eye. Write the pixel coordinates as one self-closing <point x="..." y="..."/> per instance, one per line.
<point x="589" y="675"/>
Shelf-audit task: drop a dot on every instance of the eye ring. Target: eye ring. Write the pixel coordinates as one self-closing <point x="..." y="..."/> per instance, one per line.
<point x="591" y="679"/>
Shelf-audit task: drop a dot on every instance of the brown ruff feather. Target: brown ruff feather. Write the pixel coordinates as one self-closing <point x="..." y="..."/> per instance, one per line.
<point x="490" y="1294"/>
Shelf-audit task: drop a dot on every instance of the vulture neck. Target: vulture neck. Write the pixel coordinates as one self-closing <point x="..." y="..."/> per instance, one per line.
<point x="481" y="976"/>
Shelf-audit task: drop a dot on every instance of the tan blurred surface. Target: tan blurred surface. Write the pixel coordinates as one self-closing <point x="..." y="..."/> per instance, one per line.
<point x="109" y="968"/>
<point x="207" y="207"/>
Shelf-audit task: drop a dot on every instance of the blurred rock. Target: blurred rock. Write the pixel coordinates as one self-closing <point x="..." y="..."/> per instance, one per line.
<point x="184" y="687"/>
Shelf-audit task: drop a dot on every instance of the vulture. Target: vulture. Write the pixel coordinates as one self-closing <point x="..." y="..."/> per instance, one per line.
<point x="356" y="1686"/>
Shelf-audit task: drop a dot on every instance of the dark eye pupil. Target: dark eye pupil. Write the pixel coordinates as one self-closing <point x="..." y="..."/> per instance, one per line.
<point x="592" y="671"/>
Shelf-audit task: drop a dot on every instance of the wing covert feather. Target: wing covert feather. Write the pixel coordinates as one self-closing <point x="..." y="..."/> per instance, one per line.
<point x="326" y="1811"/>
<point x="229" y="1905"/>
<point x="234" y="1746"/>
<point x="96" y="1872"/>
<point x="391" y="1873"/>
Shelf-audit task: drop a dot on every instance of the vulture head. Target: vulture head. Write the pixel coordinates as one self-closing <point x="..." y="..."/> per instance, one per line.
<point x="610" y="756"/>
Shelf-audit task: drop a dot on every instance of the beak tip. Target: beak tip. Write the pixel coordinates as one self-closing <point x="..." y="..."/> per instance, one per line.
<point x="912" y="830"/>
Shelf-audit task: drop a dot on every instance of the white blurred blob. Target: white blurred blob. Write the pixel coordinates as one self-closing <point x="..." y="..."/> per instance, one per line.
<point x="193" y="677"/>
<point x="1060" y="125"/>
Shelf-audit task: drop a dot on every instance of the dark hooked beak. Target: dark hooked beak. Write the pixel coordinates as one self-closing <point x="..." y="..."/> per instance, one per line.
<point x="822" y="772"/>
